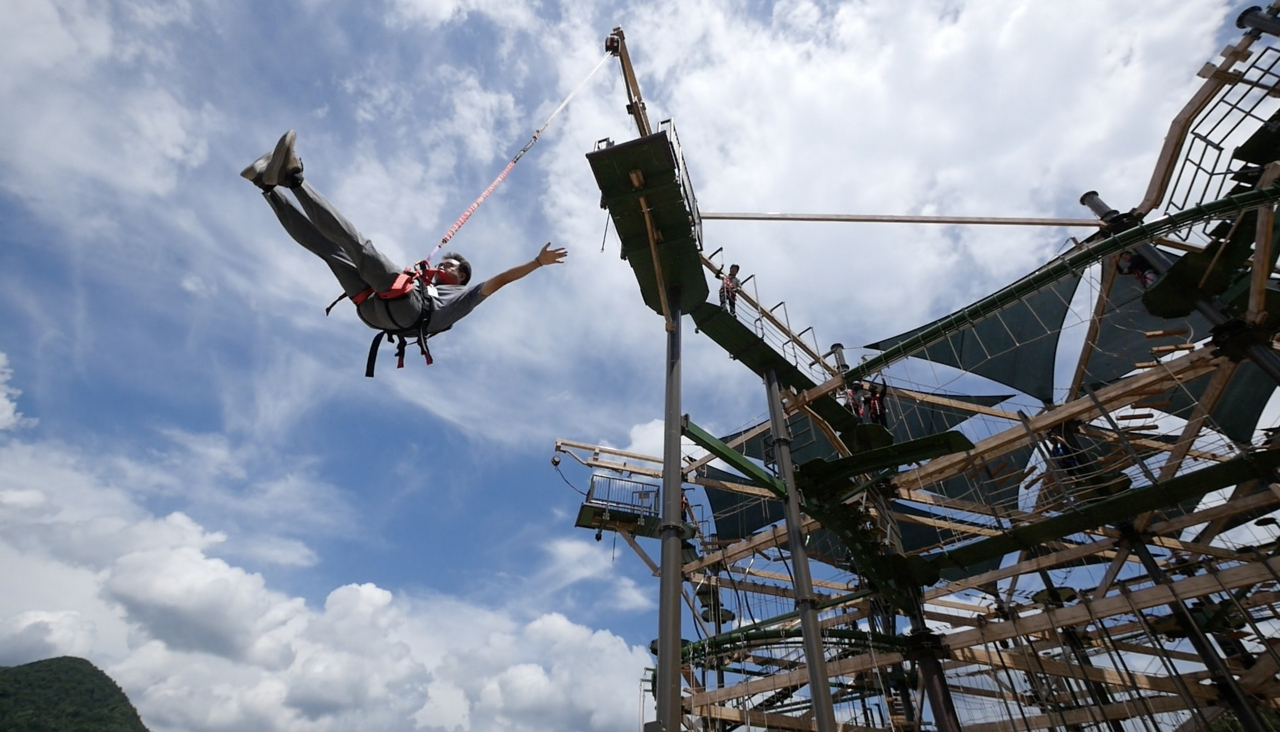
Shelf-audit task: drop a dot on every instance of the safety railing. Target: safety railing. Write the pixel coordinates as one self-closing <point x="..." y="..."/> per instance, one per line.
<point x="773" y="326"/>
<point x="1206" y="168"/>
<point x="623" y="494"/>
<point x="686" y="186"/>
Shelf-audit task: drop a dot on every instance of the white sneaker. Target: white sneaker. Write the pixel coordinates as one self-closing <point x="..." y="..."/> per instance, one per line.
<point x="254" y="172"/>
<point x="284" y="163"/>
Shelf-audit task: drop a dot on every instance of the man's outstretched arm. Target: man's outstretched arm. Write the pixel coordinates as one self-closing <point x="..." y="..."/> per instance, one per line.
<point x="545" y="257"/>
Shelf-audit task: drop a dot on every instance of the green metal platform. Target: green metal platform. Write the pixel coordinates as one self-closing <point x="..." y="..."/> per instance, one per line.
<point x="649" y="169"/>
<point x="591" y="516"/>
<point x="752" y="351"/>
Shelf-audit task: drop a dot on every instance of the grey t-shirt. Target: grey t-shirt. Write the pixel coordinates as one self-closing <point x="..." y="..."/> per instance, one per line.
<point x="452" y="303"/>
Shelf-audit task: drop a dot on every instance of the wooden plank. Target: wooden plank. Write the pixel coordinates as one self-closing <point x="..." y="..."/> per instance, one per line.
<point x="1087" y="610"/>
<point x="953" y="403"/>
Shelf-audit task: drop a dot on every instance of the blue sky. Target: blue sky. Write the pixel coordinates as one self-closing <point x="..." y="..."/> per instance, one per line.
<point x="199" y="490"/>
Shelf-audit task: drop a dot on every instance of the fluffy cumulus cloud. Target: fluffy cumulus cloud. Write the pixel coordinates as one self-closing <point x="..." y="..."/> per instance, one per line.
<point x="547" y="674"/>
<point x="36" y="634"/>
<point x="202" y="644"/>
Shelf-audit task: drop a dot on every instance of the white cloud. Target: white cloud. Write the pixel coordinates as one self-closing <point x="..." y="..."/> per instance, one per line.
<point x="433" y="13"/>
<point x="91" y="115"/>
<point x="200" y="643"/>
<point x="272" y="550"/>
<point x="194" y="603"/>
<point x="10" y="417"/>
<point x="550" y="674"/>
<point x="573" y="562"/>
<point x="37" y="634"/>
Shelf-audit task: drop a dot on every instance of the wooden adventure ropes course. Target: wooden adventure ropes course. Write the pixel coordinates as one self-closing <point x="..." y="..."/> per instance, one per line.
<point x="884" y="553"/>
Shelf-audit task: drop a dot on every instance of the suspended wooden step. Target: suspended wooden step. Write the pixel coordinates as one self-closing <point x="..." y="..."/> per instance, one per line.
<point x="1161" y="350"/>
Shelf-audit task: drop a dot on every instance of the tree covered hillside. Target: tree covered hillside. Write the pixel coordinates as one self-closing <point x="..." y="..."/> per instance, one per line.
<point x="63" y="695"/>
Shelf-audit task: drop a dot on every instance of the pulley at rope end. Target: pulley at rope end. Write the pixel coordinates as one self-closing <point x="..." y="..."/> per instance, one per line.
<point x="613" y="44"/>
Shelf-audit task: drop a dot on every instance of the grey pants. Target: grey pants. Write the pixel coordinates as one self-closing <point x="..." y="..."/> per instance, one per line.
<point x="326" y="234"/>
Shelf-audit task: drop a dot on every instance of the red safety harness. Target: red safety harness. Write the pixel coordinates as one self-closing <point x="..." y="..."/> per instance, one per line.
<point x="419" y="276"/>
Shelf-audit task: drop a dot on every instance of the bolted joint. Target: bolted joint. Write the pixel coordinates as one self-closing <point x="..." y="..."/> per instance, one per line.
<point x="926" y="644"/>
<point x="1234" y="338"/>
<point x="1129" y="534"/>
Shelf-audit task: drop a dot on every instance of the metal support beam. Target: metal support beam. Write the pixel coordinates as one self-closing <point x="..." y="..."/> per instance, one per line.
<point x="928" y="646"/>
<point x="806" y="602"/>
<point x="671" y="532"/>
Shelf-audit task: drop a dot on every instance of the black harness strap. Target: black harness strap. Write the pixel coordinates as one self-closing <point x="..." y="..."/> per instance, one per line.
<point x="341" y="297"/>
<point x="373" y="354"/>
<point x="418" y="329"/>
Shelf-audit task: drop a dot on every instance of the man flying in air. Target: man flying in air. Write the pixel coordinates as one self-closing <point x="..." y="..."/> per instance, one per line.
<point x="388" y="297"/>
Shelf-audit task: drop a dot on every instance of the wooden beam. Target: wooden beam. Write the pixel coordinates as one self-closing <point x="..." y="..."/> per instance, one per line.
<point x="1042" y="665"/>
<point x="1095" y="322"/>
<point x="963" y="406"/>
<point x="631" y="541"/>
<point x="1080" y="614"/>
<point x="766" y="720"/>
<point x="1113" y="396"/>
<point x="1262" y="251"/>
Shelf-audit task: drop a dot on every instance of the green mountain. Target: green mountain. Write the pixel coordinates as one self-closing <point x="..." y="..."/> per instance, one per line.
<point x="63" y="695"/>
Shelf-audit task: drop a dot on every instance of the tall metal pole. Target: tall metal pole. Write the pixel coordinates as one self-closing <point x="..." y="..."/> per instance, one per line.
<point x="671" y="533"/>
<point x="927" y="647"/>
<point x="806" y="603"/>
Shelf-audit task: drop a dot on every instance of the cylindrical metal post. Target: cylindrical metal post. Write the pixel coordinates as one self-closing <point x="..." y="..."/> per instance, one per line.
<point x="1254" y="18"/>
<point x="1098" y="206"/>
<point x="671" y="533"/>
<point x="940" y="701"/>
<point x="806" y="604"/>
<point x="927" y="647"/>
<point x="837" y="351"/>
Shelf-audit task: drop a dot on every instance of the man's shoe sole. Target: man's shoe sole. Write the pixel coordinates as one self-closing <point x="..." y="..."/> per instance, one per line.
<point x="279" y="159"/>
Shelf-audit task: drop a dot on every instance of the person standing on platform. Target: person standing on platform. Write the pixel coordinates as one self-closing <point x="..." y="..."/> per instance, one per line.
<point x="729" y="291"/>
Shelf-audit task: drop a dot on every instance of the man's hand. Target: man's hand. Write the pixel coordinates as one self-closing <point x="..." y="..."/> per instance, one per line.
<point x="546" y="256"/>
<point x="551" y="256"/>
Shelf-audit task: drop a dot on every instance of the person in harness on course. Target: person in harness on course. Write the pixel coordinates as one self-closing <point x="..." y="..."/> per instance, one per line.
<point x="404" y="303"/>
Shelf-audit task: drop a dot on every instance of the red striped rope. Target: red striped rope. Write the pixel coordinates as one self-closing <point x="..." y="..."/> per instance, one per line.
<point x="496" y="181"/>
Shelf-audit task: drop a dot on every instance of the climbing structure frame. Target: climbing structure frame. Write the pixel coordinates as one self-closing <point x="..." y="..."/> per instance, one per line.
<point x="942" y="536"/>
